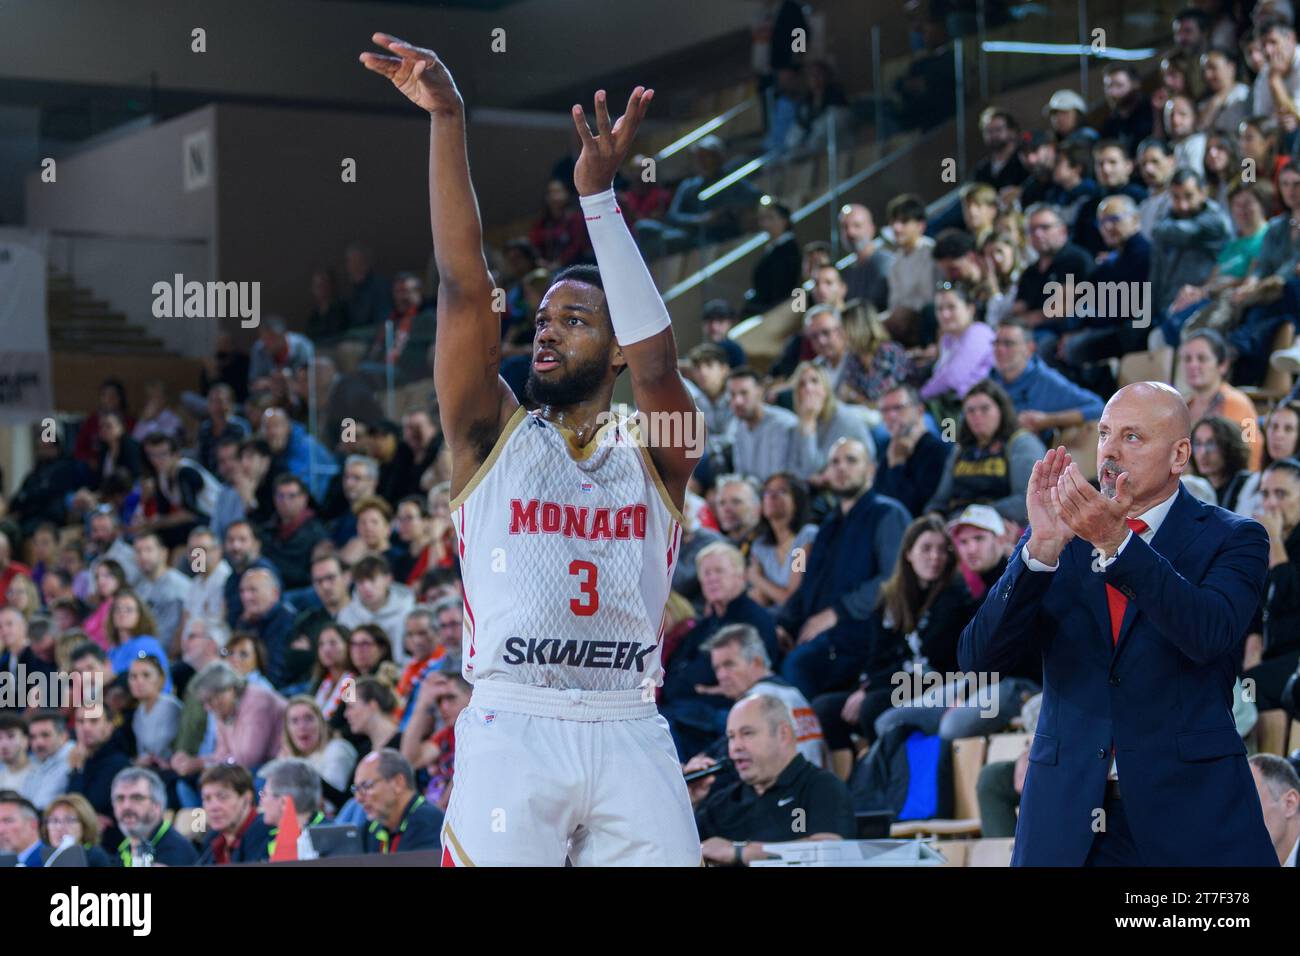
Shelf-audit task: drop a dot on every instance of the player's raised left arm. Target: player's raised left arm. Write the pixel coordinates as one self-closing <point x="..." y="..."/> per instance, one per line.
<point x="642" y="326"/>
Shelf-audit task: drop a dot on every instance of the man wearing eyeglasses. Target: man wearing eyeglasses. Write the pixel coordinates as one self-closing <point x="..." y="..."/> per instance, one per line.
<point x="1126" y="265"/>
<point x="139" y="797"/>
<point x="1044" y="398"/>
<point x="291" y="779"/>
<point x="401" y="821"/>
<point x="1114" y="170"/>
<point x="914" y="457"/>
<point x="1058" y="259"/>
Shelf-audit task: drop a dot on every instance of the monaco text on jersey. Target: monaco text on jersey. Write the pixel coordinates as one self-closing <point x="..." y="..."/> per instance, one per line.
<point x="572" y="521"/>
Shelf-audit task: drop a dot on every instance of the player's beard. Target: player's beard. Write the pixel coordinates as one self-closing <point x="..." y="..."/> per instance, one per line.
<point x="569" y="389"/>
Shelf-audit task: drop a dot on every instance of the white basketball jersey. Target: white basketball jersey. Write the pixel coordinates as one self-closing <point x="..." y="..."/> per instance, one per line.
<point x="566" y="559"/>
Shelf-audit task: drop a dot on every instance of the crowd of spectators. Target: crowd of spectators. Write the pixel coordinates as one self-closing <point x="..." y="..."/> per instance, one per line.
<point x="274" y="613"/>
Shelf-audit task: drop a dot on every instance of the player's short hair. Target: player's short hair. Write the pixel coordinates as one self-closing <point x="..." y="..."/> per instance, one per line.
<point x="586" y="274"/>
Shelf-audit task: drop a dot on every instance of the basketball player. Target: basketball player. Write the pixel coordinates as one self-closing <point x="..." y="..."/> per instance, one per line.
<point x="568" y="526"/>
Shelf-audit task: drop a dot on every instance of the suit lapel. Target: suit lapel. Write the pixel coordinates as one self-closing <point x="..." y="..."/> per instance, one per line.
<point x="1093" y="585"/>
<point x="1182" y="526"/>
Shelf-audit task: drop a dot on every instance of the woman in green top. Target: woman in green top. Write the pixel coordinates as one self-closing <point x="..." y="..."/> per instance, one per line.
<point x="1249" y="208"/>
<point x="1248" y="203"/>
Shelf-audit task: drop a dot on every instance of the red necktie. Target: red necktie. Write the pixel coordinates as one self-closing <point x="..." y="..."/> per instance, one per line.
<point x="1115" y="601"/>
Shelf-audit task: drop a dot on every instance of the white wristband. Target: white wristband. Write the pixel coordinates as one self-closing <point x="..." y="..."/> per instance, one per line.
<point x="635" y="306"/>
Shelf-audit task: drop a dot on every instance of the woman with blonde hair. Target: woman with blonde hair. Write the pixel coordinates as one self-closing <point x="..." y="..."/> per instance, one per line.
<point x="1003" y="263"/>
<point x="307" y="735"/>
<point x="822" y="421"/>
<point x="70" y="816"/>
<point x="875" y="363"/>
<point x="22" y="596"/>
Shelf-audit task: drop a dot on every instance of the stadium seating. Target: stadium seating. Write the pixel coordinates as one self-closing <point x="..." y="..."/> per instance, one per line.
<point x="968" y="757"/>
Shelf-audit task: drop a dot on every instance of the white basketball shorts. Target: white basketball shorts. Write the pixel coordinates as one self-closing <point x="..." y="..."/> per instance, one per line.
<point x="542" y="774"/>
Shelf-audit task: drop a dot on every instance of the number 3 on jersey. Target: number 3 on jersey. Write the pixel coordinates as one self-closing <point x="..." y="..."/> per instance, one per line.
<point x="590" y="601"/>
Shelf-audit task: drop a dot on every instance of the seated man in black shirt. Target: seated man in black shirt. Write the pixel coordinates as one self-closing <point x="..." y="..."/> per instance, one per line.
<point x="1058" y="259"/>
<point x="914" y="457"/>
<point x="400" y="819"/>
<point x="779" y="798"/>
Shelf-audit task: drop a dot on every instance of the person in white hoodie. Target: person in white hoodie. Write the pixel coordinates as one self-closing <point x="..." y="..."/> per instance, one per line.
<point x="376" y="599"/>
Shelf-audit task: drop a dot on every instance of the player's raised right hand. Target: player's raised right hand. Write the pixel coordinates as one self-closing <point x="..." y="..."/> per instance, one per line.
<point x="418" y="73"/>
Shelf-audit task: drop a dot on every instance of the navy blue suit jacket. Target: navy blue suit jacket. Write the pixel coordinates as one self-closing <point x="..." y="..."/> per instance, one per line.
<point x="1162" y="695"/>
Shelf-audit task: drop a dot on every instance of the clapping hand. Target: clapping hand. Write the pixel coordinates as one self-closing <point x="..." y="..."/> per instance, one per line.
<point x="1050" y="533"/>
<point x="1090" y="514"/>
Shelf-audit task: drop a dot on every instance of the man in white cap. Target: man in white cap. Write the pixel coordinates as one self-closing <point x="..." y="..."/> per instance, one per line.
<point x="1067" y="113"/>
<point x="691" y="220"/>
<point x="979" y="539"/>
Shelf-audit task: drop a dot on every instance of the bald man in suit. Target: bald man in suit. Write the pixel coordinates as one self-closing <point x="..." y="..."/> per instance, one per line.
<point x="1138" y="596"/>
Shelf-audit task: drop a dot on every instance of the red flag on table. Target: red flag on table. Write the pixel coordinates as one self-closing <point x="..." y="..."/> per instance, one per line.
<point x="286" y="841"/>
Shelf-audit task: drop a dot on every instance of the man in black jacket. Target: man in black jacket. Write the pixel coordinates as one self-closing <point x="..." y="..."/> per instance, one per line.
<point x="914" y="457"/>
<point x="43" y="492"/>
<point x="853" y="553"/>
<point x="779" y="797"/>
<point x="289" y="537"/>
<point x="97" y="758"/>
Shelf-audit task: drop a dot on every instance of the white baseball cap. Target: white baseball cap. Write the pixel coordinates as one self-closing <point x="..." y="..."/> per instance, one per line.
<point x="1065" y="100"/>
<point x="979" y="516"/>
